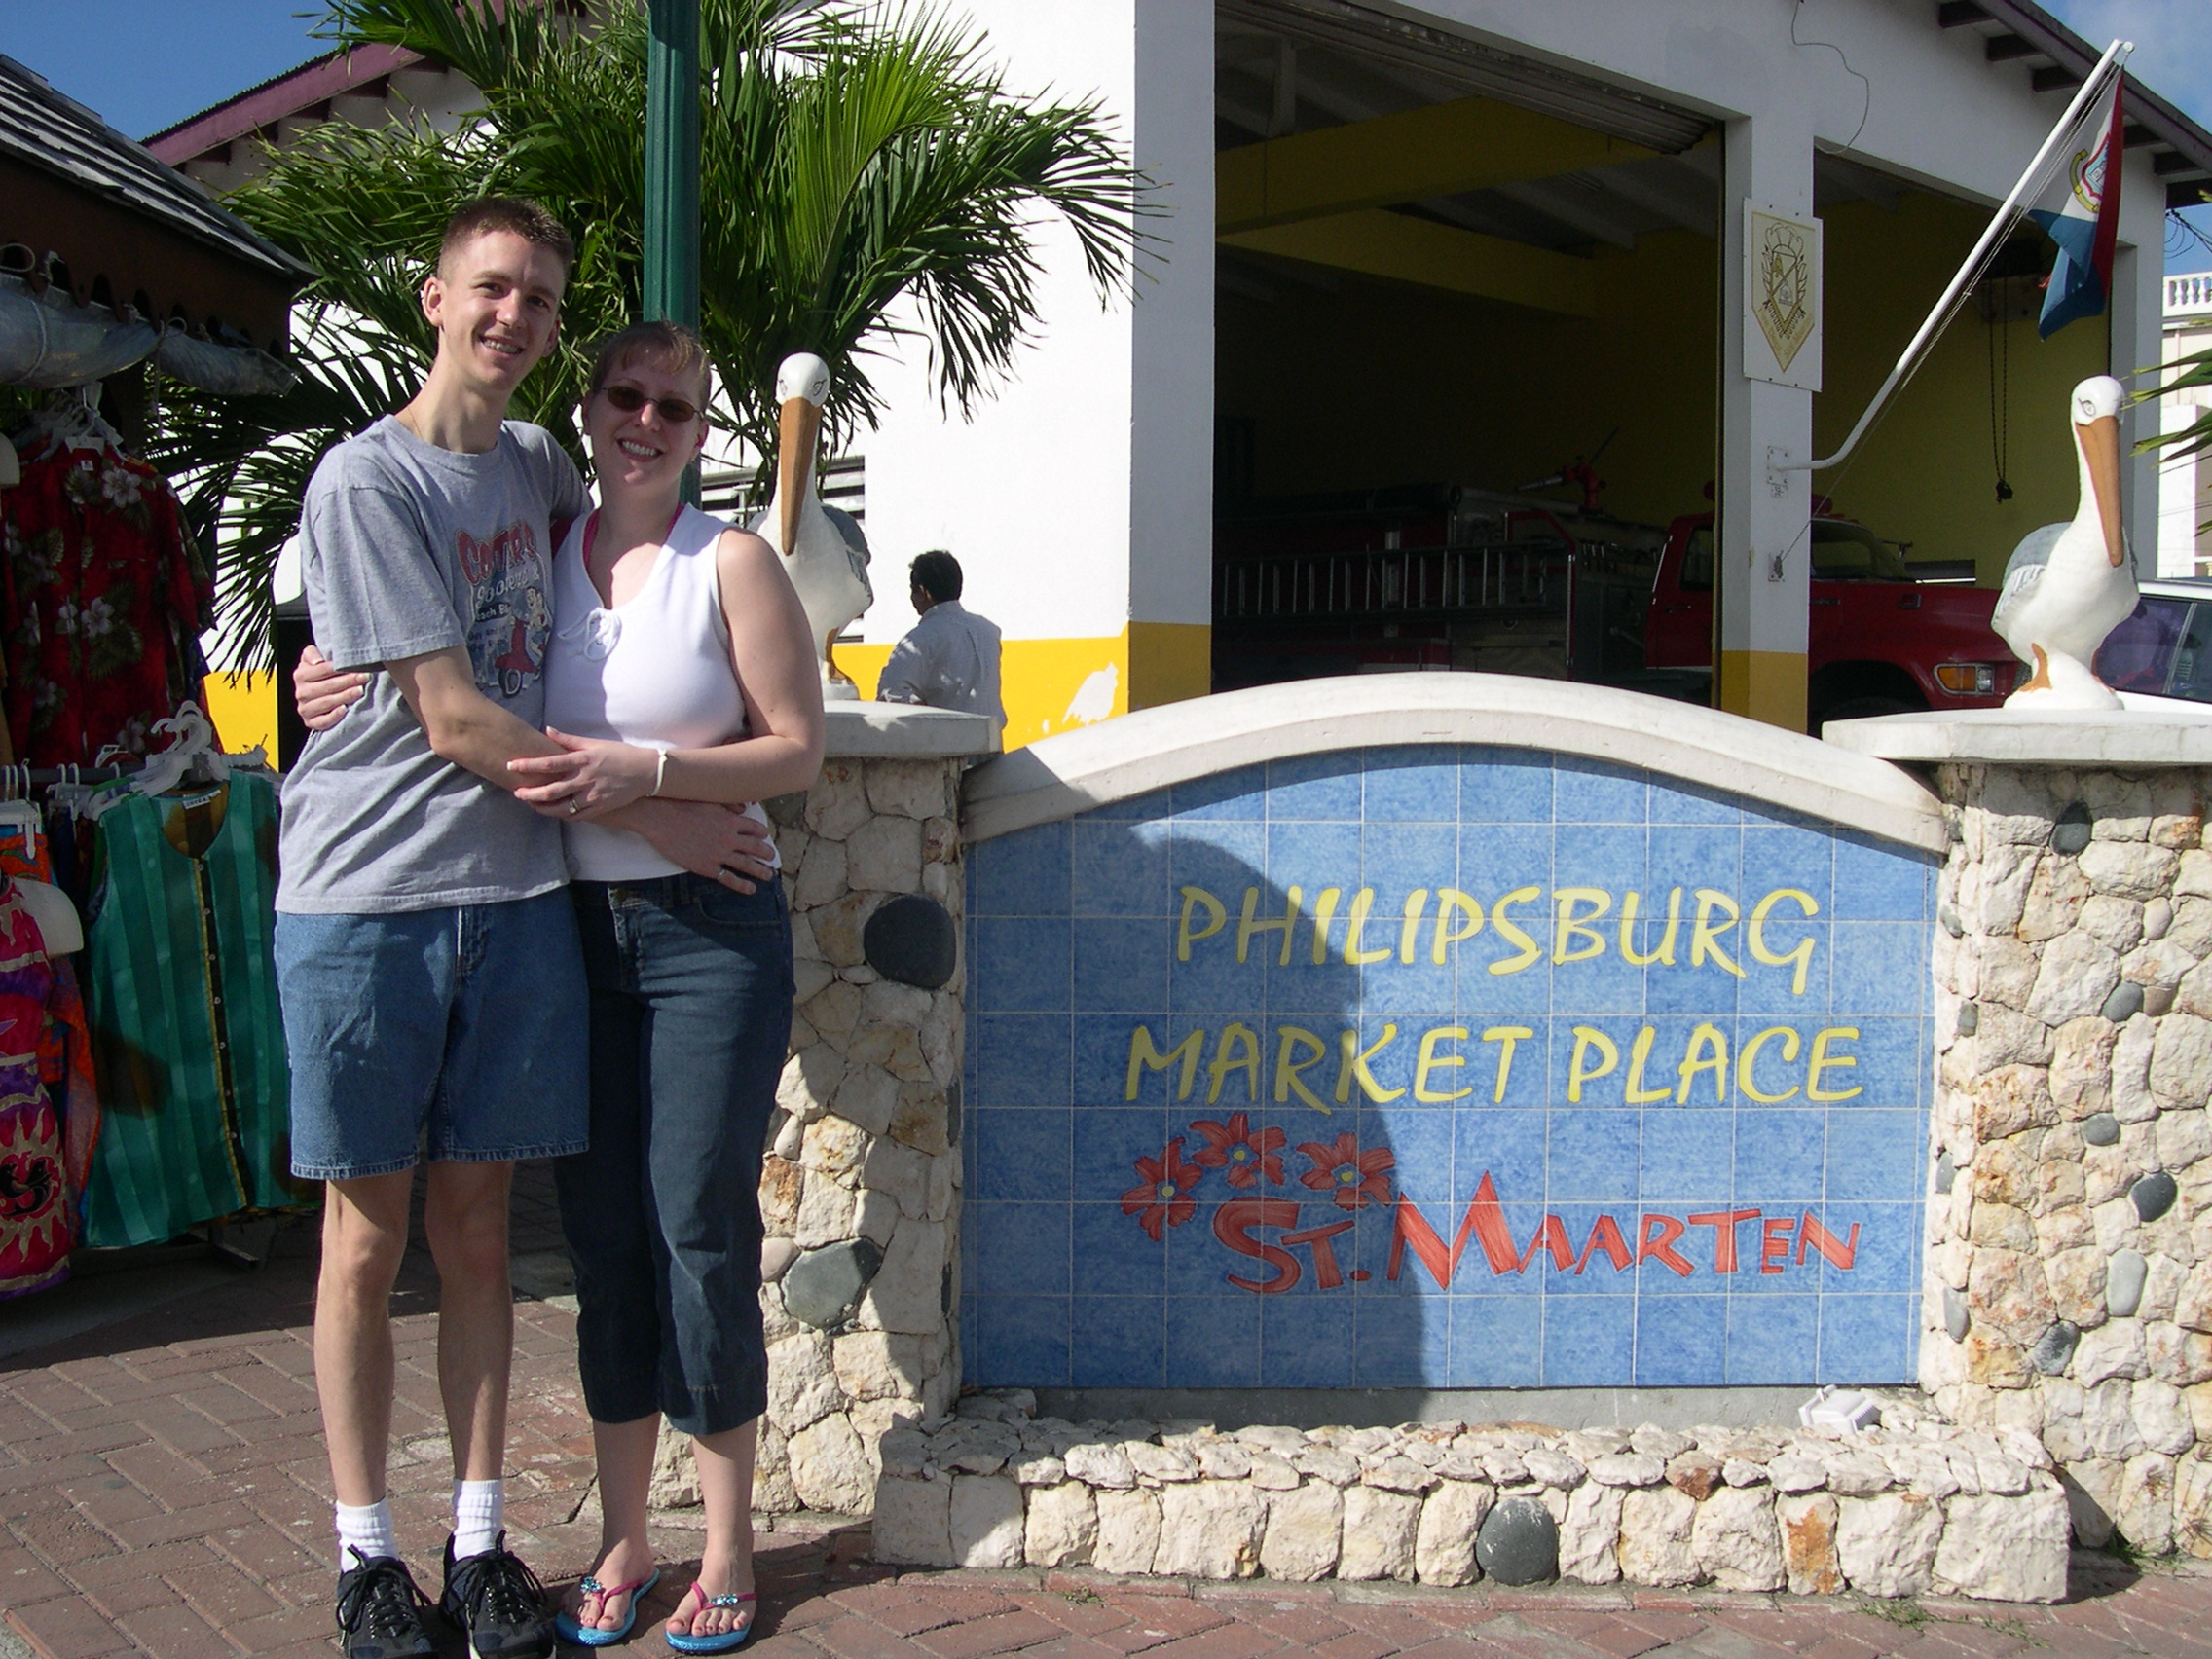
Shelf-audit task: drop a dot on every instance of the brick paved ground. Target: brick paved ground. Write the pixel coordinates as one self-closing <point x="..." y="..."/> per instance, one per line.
<point x="162" y="1493"/>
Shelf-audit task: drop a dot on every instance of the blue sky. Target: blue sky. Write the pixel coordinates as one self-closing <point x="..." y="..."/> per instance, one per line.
<point x="146" y="64"/>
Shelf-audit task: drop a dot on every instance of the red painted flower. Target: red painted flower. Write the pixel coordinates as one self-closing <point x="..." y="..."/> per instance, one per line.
<point x="1352" y="1175"/>
<point x="1234" y="1147"/>
<point x="1163" y="1197"/>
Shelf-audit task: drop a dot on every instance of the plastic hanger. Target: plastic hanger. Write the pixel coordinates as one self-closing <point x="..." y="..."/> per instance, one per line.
<point x="59" y="927"/>
<point x="193" y="745"/>
<point x="70" y="419"/>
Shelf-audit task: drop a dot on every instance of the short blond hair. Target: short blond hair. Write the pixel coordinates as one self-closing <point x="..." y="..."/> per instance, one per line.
<point x="675" y="347"/>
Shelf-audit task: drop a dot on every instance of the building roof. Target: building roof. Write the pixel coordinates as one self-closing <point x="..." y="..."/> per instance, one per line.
<point x="56" y="135"/>
<point x="354" y="69"/>
<point x="2055" y="58"/>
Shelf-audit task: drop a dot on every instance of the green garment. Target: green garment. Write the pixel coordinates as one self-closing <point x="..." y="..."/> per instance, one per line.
<point x="180" y="991"/>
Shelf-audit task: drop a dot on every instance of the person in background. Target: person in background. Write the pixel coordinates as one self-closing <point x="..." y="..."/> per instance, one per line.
<point x="951" y="658"/>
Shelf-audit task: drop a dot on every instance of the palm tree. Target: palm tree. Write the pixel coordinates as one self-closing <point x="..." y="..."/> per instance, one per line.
<point x="865" y="175"/>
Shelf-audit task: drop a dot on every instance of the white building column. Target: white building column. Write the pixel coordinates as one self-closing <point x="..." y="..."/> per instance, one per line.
<point x="1171" y="458"/>
<point x="1079" y="499"/>
<point x="1765" y="556"/>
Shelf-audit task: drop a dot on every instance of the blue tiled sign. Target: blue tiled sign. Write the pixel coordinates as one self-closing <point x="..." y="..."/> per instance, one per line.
<point x="1444" y="1067"/>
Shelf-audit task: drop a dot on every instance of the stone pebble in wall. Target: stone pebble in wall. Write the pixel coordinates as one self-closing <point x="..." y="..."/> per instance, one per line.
<point x="2068" y="1289"/>
<point x="1918" y="1505"/>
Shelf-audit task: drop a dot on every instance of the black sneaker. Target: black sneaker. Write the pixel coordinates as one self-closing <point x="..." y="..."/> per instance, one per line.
<point x="499" y="1603"/>
<point x="380" y="1611"/>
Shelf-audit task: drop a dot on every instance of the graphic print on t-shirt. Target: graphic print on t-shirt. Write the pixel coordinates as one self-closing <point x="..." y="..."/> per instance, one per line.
<point x="511" y="623"/>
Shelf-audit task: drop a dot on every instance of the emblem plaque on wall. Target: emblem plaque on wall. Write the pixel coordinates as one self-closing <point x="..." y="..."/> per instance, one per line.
<point x="1782" y="298"/>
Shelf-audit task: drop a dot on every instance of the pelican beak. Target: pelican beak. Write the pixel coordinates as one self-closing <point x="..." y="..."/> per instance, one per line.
<point x="2100" y="448"/>
<point x="799" y="431"/>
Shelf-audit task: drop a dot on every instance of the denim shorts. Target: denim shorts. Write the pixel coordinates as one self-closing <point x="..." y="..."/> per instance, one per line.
<point x="458" y="1030"/>
<point x="690" y="1017"/>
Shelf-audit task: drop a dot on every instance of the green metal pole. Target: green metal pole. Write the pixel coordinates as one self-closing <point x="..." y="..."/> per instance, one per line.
<point x="672" y="171"/>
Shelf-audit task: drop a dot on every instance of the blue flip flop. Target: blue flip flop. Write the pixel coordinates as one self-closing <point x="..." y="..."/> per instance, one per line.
<point x="722" y="1641"/>
<point x="565" y="1624"/>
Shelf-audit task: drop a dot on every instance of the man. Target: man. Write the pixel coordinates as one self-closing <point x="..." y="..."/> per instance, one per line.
<point x="426" y="953"/>
<point x="951" y="658"/>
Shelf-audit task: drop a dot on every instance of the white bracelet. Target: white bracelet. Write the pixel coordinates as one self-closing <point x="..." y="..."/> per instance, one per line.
<point x="660" y="769"/>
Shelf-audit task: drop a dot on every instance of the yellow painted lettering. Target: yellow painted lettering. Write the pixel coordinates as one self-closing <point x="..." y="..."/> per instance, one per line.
<point x="1415" y="903"/>
<point x="1530" y="950"/>
<point x="1822" y="1060"/>
<point x="1704" y="936"/>
<point x="1589" y="1040"/>
<point x="1509" y="1038"/>
<point x="1236" y="1036"/>
<point x="1430" y="1060"/>
<point x="1197" y="899"/>
<point x="1747" y="1082"/>
<point x="1800" y="954"/>
<point x="1664" y="954"/>
<point x="1251" y="923"/>
<point x="1353" y="1062"/>
<point x="1471" y="910"/>
<point x="1287" y="1080"/>
<point x="1640" y="1052"/>
<point x="1356" y="955"/>
<point x="1708" y="1051"/>
<point x="1324" y="908"/>
<point x="1143" y="1054"/>
<point x="1573" y="925"/>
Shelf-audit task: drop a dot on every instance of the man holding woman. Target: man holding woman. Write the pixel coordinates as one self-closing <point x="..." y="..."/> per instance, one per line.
<point x="434" y="985"/>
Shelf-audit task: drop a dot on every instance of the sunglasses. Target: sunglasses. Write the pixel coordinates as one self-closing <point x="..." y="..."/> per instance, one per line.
<point x="629" y="400"/>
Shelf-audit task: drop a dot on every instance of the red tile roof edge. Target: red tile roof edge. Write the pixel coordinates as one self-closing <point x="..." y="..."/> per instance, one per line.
<point x="332" y="75"/>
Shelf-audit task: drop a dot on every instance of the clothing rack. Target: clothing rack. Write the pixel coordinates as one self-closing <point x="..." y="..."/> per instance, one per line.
<point x="16" y="783"/>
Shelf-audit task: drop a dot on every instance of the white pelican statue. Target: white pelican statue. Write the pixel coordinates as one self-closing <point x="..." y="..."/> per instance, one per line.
<point x="825" y="553"/>
<point x="2068" y="585"/>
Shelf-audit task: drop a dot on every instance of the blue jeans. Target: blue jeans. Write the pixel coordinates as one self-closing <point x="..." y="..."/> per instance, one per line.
<point x="459" y="1028"/>
<point x="690" y="1015"/>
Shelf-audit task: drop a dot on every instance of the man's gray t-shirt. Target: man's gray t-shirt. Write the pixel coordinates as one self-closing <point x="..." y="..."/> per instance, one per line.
<point x="406" y="548"/>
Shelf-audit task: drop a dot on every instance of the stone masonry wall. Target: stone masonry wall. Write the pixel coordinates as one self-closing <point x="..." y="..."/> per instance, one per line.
<point x="1915" y="1505"/>
<point x="2069" y="1261"/>
<point x="861" y="1185"/>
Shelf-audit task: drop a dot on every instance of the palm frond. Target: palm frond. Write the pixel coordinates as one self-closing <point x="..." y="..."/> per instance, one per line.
<point x="867" y="183"/>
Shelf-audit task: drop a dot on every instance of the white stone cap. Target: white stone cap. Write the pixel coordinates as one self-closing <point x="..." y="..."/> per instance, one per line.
<point x="2039" y="737"/>
<point x="866" y="730"/>
<point x="1136" y="753"/>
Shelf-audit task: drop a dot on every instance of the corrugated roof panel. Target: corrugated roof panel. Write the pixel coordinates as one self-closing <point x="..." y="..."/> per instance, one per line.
<point x="48" y="131"/>
<point x="1358" y="32"/>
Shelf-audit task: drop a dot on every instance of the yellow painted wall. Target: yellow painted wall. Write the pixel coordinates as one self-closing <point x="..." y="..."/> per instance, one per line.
<point x="1925" y="475"/>
<point x="1383" y="383"/>
<point x="1056" y="685"/>
<point x="244" y="708"/>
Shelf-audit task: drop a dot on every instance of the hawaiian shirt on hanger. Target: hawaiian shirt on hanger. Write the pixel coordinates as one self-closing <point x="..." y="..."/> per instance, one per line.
<point x="104" y="599"/>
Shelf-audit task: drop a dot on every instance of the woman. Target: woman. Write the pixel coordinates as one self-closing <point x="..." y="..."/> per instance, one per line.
<point x="681" y="666"/>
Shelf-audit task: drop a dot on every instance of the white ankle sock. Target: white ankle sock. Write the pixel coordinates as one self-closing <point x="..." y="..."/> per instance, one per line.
<point x="366" y="1527"/>
<point x="479" y="1509"/>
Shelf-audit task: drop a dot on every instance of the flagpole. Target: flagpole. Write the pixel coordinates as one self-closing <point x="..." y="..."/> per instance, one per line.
<point x="2115" y="56"/>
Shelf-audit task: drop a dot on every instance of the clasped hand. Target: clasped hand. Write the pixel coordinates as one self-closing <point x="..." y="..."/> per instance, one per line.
<point x="597" y="776"/>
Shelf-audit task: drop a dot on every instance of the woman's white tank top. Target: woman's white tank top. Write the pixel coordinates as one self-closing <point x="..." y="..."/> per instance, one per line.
<point x="654" y="671"/>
